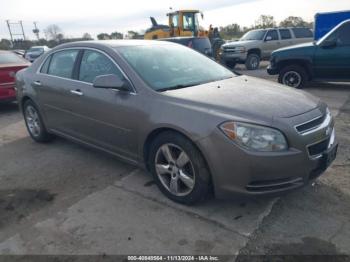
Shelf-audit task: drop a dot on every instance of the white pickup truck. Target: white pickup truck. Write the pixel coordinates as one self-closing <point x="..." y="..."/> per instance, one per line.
<point x="257" y="45"/>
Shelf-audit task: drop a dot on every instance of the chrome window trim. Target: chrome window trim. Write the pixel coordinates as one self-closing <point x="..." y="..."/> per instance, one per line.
<point x="76" y="80"/>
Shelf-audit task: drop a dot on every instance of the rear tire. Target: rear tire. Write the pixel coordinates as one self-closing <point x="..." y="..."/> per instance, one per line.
<point x="252" y="62"/>
<point x="35" y="124"/>
<point x="293" y="76"/>
<point x="185" y="179"/>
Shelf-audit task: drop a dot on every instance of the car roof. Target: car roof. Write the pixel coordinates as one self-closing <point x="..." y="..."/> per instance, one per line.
<point x="112" y="43"/>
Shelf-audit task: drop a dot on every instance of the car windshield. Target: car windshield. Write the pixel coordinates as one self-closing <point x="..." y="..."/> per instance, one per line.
<point x="254" y="35"/>
<point x="172" y="66"/>
<point x="36" y="49"/>
<point x="10" y="58"/>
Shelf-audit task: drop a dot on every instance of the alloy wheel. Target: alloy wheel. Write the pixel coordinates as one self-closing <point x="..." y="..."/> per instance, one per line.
<point x="33" y="120"/>
<point x="175" y="170"/>
<point x="292" y="79"/>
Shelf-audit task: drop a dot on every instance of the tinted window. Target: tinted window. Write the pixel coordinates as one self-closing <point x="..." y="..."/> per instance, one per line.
<point x="62" y="63"/>
<point x="169" y="66"/>
<point x="302" y="32"/>
<point x="10" y="58"/>
<point x="344" y="35"/>
<point x="285" y="34"/>
<point x="273" y="34"/>
<point x="45" y="66"/>
<point x="95" y="64"/>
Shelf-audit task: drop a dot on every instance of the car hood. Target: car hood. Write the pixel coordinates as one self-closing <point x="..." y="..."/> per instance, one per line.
<point x="245" y="96"/>
<point x="35" y="53"/>
<point x="239" y="43"/>
<point x="309" y="45"/>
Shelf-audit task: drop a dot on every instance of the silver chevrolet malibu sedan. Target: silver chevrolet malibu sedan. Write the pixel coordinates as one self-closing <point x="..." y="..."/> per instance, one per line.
<point x="196" y="126"/>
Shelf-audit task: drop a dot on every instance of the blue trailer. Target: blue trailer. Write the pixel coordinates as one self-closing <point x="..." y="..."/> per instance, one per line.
<point x="325" y="22"/>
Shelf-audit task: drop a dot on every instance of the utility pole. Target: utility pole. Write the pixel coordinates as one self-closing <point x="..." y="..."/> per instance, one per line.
<point x="36" y="30"/>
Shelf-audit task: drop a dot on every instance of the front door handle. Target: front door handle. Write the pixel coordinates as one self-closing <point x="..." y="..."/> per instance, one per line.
<point x="37" y="83"/>
<point x="76" y="92"/>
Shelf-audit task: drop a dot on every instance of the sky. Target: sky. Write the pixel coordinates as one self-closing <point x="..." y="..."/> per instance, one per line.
<point x="75" y="17"/>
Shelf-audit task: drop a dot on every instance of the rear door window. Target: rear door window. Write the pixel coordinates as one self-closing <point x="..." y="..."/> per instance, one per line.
<point x="302" y="32"/>
<point x="62" y="63"/>
<point x="95" y="64"/>
<point x="285" y="34"/>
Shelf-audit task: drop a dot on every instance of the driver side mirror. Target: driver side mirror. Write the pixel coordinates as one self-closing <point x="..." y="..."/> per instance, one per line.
<point x="329" y="43"/>
<point x="111" y="82"/>
<point x="268" y="38"/>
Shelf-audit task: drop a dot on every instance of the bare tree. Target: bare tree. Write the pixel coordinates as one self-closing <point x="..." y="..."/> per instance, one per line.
<point x="265" y="21"/>
<point x="87" y="36"/>
<point x="294" y="21"/>
<point x="54" y="32"/>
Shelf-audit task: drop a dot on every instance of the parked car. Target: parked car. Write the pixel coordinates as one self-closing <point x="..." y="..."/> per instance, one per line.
<point x="34" y="52"/>
<point x="256" y="45"/>
<point x="193" y="123"/>
<point x="200" y="44"/>
<point x="19" y="52"/>
<point x="325" y="60"/>
<point x="10" y="63"/>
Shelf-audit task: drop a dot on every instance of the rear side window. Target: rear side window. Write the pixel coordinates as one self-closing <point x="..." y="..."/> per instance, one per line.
<point x="273" y="34"/>
<point x="95" y="64"/>
<point x="285" y="34"/>
<point x="62" y="63"/>
<point x="45" y="66"/>
<point x="302" y="32"/>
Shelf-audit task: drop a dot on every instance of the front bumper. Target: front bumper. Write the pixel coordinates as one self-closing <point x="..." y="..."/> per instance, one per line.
<point x="239" y="172"/>
<point x="233" y="57"/>
<point x="272" y="70"/>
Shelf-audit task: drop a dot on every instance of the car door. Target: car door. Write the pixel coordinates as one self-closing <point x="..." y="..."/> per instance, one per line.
<point x="105" y="118"/>
<point x="332" y="56"/>
<point x="271" y="43"/>
<point x="52" y="84"/>
<point x="286" y="37"/>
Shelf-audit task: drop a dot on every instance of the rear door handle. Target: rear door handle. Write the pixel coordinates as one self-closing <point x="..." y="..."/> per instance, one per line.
<point x="76" y="92"/>
<point x="37" y="83"/>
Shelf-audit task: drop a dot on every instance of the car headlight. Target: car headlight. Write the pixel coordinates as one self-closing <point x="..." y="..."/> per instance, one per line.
<point x="255" y="137"/>
<point x="240" y="49"/>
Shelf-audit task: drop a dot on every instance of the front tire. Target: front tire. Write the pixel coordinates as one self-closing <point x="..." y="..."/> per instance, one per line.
<point x="179" y="169"/>
<point x="293" y="76"/>
<point x="252" y="62"/>
<point x="35" y="124"/>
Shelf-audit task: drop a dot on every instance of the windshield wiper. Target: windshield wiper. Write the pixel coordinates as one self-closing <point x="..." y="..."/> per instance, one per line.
<point x="175" y="87"/>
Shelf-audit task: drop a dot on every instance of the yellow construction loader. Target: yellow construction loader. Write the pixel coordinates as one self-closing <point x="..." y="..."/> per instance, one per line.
<point x="184" y="23"/>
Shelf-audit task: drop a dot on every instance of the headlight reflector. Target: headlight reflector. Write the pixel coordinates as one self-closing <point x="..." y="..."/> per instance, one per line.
<point x="254" y="137"/>
<point x="240" y="49"/>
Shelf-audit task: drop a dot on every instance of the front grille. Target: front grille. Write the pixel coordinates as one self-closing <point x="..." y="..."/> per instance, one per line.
<point x="310" y="124"/>
<point x="319" y="148"/>
<point x="274" y="185"/>
<point x="230" y="50"/>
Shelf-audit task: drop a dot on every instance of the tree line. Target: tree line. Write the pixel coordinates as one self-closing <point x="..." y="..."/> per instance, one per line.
<point x="55" y="36"/>
<point x="235" y="31"/>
